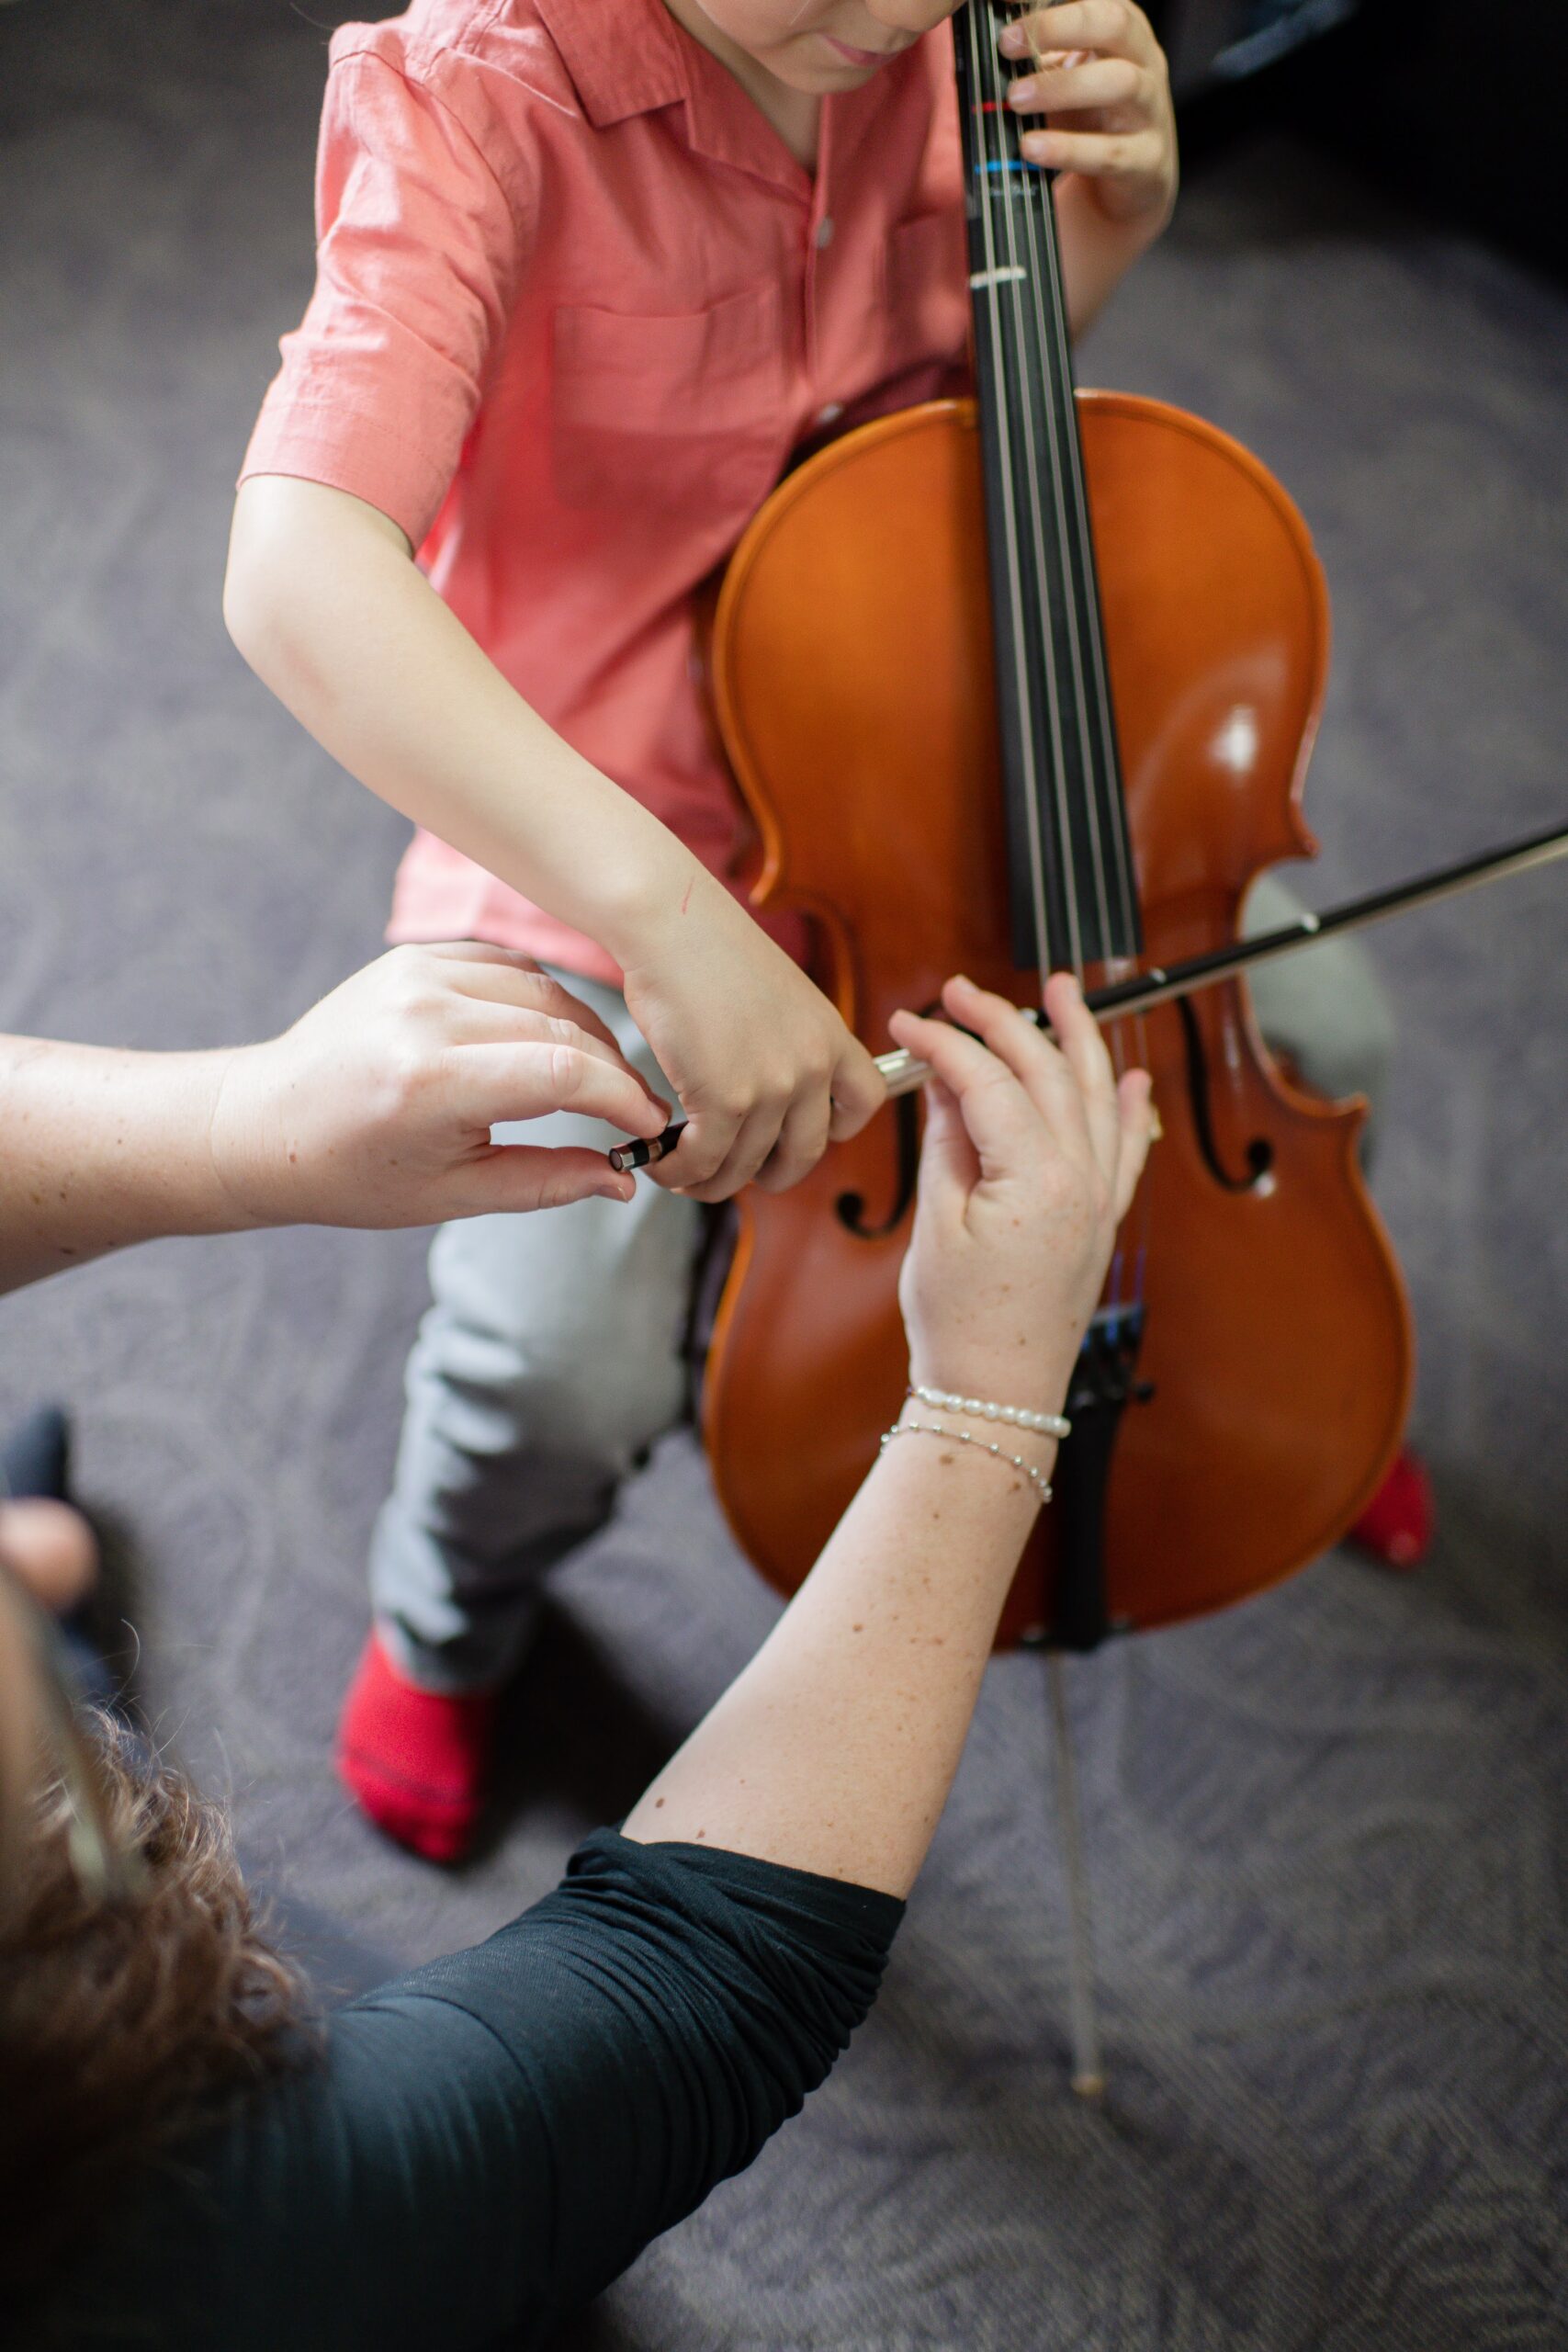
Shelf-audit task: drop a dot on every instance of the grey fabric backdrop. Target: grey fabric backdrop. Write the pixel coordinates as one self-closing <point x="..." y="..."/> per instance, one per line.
<point x="1326" y="1830"/>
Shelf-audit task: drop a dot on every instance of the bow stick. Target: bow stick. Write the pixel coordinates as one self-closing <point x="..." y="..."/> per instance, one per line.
<point x="902" y="1071"/>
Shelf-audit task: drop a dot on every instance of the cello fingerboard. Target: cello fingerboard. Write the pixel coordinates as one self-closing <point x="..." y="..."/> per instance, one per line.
<point x="1073" y="901"/>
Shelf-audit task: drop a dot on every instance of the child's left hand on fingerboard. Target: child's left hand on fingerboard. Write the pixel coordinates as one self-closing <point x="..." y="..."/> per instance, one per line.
<point x="1099" y="77"/>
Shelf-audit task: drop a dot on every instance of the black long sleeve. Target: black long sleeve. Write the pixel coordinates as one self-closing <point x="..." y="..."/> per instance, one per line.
<point x="485" y="2144"/>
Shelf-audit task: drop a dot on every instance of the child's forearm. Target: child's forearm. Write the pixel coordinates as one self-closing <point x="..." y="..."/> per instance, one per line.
<point x="104" y="1147"/>
<point x="1097" y="251"/>
<point x="835" y="1749"/>
<point x="325" y="603"/>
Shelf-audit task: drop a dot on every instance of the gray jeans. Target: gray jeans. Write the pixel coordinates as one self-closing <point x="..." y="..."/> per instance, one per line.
<point x="552" y="1355"/>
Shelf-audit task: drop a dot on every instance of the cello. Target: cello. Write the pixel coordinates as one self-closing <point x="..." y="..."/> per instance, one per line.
<point x="1067" y="655"/>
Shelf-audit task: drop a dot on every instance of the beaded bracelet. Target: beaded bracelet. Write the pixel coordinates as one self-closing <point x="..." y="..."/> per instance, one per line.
<point x="1036" y="1478"/>
<point x="980" y="1408"/>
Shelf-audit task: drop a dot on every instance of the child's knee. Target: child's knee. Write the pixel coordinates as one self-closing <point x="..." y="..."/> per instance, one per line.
<point x="1327" y="1008"/>
<point x="565" y="1350"/>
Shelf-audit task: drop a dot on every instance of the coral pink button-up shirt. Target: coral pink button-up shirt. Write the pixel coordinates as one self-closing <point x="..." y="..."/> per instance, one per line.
<point x="576" y="305"/>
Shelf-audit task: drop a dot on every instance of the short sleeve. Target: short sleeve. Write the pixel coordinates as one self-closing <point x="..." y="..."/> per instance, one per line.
<point x="487" y="2143"/>
<point x="667" y="2008"/>
<point x="420" y="247"/>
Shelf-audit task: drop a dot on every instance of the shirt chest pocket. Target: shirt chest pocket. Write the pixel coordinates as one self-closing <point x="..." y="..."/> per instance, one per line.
<point x="684" y="412"/>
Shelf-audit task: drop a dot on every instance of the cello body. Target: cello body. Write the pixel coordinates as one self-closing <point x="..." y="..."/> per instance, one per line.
<point x="852" y="678"/>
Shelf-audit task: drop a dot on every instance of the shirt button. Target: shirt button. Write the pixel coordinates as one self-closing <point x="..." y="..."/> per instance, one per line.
<point x="824" y="232"/>
<point x="831" y="409"/>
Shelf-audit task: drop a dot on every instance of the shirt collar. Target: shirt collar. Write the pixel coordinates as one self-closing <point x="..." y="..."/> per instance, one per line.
<point x="631" y="57"/>
<point x="623" y="55"/>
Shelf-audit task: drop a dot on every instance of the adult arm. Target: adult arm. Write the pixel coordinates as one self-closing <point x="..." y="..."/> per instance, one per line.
<point x="488" y="2141"/>
<point x="481" y="2148"/>
<point x="835" y="1749"/>
<point x="374" y="1109"/>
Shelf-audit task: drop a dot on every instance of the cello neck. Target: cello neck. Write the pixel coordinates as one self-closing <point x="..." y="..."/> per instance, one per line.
<point x="1073" y="899"/>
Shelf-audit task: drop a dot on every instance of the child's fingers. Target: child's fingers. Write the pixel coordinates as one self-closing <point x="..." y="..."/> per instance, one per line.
<point x="705" y="1146"/>
<point x="1099" y="154"/>
<point x="1111" y="28"/>
<point x="753" y="1140"/>
<point x="856" y="1091"/>
<point x="700" y="1149"/>
<point x="1069" y="89"/>
<point x="802" y="1140"/>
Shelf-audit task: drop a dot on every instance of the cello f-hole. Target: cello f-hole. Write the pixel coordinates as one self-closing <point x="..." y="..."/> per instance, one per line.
<point x="850" y="1207"/>
<point x="1259" y="1151"/>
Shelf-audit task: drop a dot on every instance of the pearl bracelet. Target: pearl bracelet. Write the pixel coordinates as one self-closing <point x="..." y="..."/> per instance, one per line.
<point x="980" y="1408"/>
<point x="1036" y="1478"/>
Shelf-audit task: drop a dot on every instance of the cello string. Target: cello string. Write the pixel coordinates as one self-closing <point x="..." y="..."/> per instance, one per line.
<point x="1086" y="2072"/>
<point x="1081" y="604"/>
<point x="1035" y="629"/>
<point x="1094" y="629"/>
<point x="1075" y="579"/>
<point x="1077" y="590"/>
<point x="1009" y="169"/>
<point x="1039" y="615"/>
<point x="1054" y="335"/>
<point x="1061" y="425"/>
<point x="986" y="77"/>
<point x="981" y="159"/>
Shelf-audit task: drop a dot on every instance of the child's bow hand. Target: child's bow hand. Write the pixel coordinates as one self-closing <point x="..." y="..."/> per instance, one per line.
<point x="375" y="1108"/>
<point x="767" y="1073"/>
<point x="1099" y="78"/>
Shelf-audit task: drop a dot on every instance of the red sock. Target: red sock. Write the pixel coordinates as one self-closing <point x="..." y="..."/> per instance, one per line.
<point x="416" y="1762"/>
<point x="1396" y="1526"/>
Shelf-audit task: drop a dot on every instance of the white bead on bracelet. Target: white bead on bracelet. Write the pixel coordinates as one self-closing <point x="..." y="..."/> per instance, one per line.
<point x="980" y="1408"/>
<point x="1036" y="1478"/>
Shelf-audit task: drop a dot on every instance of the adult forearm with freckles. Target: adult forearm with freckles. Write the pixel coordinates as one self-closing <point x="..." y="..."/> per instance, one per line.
<point x="835" y="1749"/>
<point x="100" y="1147"/>
<point x="327" y="606"/>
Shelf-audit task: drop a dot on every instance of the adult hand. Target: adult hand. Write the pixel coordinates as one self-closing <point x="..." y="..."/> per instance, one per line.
<point x="766" y="1071"/>
<point x="48" y="1546"/>
<point x="1033" y="1152"/>
<point x="1100" y="76"/>
<point x="375" y="1108"/>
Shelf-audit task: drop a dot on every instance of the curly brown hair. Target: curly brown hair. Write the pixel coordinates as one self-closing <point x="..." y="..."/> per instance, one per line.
<point x="122" y="2024"/>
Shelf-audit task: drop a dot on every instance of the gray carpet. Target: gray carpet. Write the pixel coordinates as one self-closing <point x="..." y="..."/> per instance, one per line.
<point x="1327" y="1830"/>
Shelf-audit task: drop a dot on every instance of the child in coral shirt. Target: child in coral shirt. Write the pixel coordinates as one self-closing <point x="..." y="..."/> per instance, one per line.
<point x="590" y="271"/>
